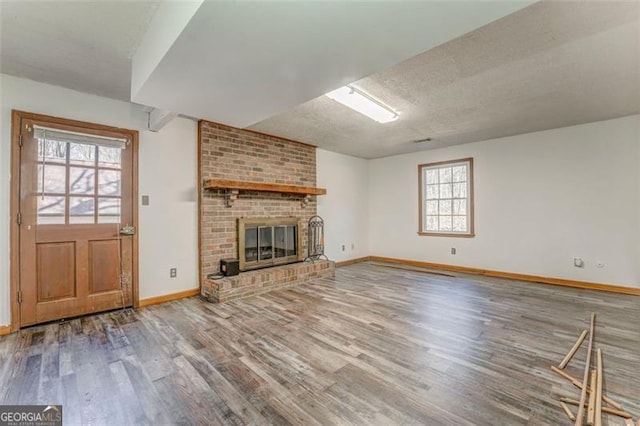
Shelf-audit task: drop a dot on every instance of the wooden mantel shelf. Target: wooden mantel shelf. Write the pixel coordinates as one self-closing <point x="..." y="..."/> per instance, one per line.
<point x="263" y="187"/>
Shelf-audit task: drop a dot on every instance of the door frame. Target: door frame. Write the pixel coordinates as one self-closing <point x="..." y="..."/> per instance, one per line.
<point x="14" y="238"/>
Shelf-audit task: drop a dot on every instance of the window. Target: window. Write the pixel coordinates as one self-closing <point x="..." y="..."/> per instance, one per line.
<point x="78" y="183"/>
<point x="446" y="198"/>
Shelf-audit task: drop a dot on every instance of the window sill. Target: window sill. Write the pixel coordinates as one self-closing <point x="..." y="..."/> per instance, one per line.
<point x="445" y="234"/>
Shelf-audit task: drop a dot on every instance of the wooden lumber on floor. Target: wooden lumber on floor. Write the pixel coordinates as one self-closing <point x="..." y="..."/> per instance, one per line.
<point x="598" y="390"/>
<point x="591" y="386"/>
<point x="583" y="394"/>
<point x="573" y="350"/>
<point x="567" y="410"/>
<point x="577" y="384"/>
<point x="591" y="407"/>
<point x="607" y="410"/>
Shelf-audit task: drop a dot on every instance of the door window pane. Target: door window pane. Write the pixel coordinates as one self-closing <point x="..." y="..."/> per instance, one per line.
<point x="82" y="180"/>
<point x="109" y="182"/>
<point x="55" y="179"/>
<point x="50" y="210"/>
<point x="109" y="210"/>
<point x="52" y="151"/>
<point x="81" y="209"/>
<point x="109" y="157"/>
<point x="82" y="154"/>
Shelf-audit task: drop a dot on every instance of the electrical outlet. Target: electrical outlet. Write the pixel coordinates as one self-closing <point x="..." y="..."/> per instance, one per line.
<point x="173" y="272"/>
<point x="578" y="262"/>
<point x="453" y="250"/>
<point x="145" y="200"/>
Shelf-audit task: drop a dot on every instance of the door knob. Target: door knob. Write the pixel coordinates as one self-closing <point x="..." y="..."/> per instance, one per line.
<point x="127" y="230"/>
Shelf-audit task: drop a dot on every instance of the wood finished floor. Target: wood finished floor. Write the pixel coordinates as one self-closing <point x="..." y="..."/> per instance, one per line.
<point x="378" y="345"/>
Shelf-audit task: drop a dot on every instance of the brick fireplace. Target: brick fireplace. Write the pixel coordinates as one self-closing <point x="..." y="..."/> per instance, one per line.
<point x="234" y="155"/>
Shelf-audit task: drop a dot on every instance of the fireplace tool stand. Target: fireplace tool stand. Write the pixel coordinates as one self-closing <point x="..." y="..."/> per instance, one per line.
<point x="315" y="239"/>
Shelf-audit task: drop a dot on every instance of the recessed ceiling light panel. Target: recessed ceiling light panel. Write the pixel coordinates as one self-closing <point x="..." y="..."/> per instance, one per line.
<point x="363" y="103"/>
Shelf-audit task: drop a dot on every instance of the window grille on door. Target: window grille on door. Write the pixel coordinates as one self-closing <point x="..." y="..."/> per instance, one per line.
<point x="79" y="177"/>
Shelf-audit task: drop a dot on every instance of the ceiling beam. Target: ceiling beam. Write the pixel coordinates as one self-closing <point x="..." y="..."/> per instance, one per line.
<point x="239" y="63"/>
<point x="158" y="118"/>
<point x="166" y="26"/>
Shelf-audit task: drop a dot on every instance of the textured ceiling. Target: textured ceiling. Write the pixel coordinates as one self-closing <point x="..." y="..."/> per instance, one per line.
<point x="239" y="62"/>
<point x="550" y="65"/>
<point x="83" y="45"/>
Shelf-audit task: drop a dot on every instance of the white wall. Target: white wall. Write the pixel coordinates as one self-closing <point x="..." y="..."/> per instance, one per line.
<point x="541" y="199"/>
<point x="167" y="157"/>
<point x="168" y="236"/>
<point x="345" y="208"/>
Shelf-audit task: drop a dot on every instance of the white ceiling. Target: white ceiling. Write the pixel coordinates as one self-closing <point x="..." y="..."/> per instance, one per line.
<point x="454" y="70"/>
<point x="241" y="62"/>
<point x="553" y="64"/>
<point x="82" y="45"/>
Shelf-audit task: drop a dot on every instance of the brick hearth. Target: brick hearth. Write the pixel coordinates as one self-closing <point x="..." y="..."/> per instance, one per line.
<point x="264" y="280"/>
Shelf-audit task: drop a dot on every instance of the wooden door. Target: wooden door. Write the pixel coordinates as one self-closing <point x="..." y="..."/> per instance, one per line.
<point x="75" y="221"/>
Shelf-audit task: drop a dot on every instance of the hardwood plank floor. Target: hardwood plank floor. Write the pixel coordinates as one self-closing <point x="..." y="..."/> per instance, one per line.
<point x="378" y="345"/>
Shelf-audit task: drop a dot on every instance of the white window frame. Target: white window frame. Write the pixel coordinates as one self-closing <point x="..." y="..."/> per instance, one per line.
<point x="422" y="198"/>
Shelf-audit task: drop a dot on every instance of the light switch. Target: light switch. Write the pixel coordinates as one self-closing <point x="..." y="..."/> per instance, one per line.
<point x="145" y="200"/>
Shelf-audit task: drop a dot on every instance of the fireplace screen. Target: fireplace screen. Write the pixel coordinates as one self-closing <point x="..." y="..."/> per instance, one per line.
<point x="267" y="242"/>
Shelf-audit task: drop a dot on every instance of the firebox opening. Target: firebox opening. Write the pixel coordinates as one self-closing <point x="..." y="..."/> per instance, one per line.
<point x="264" y="242"/>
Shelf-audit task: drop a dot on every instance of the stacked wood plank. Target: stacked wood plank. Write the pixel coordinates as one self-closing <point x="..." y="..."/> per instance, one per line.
<point x="591" y="386"/>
